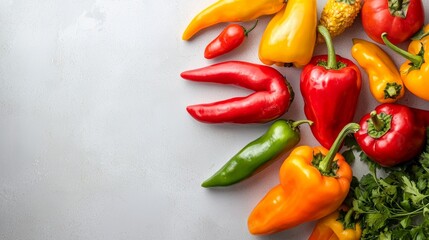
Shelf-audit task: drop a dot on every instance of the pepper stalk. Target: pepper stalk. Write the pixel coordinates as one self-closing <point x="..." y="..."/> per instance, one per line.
<point x="416" y="60"/>
<point x="332" y="57"/>
<point x="325" y="165"/>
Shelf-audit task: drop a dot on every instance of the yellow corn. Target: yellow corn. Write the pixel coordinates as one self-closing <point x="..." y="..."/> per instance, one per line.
<point x="337" y="15"/>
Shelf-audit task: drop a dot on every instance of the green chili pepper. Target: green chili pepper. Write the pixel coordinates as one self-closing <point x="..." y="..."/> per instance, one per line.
<point x="282" y="136"/>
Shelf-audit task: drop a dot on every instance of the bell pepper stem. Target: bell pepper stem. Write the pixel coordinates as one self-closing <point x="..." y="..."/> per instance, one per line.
<point x="298" y="123"/>
<point x="247" y="31"/>
<point x="416" y="60"/>
<point x="326" y="163"/>
<point x="378" y="123"/>
<point x="332" y="58"/>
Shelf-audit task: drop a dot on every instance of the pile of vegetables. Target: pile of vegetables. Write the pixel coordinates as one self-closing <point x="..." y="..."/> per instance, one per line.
<point x="392" y="200"/>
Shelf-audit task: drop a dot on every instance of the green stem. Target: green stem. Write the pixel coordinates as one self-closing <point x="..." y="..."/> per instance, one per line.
<point x="417" y="211"/>
<point x="349" y="223"/>
<point x="326" y="163"/>
<point x="399" y="6"/>
<point x="378" y="123"/>
<point x="297" y="123"/>
<point x="332" y="58"/>
<point x="247" y="31"/>
<point x="416" y="60"/>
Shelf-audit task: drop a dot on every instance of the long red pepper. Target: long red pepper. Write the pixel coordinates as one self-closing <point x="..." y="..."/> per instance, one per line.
<point x="271" y="99"/>
<point x="330" y="86"/>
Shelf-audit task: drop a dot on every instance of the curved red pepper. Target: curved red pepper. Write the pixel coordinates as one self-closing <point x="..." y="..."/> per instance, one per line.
<point x="330" y="86"/>
<point x="229" y="39"/>
<point x="272" y="98"/>
<point x="391" y="134"/>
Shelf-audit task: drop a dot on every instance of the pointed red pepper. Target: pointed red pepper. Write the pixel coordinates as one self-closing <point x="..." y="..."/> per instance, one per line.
<point x="271" y="99"/>
<point x="229" y="39"/>
<point x="330" y="86"/>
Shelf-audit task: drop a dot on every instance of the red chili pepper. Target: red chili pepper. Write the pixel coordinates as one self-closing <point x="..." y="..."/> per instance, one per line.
<point x="229" y="39"/>
<point x="399" y="18"/>
<point x="330" y="86"/>
<point x="391" y="134"/>
<point x="272" y="98"/>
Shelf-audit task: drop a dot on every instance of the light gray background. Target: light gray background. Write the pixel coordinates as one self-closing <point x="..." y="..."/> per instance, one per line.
<point x="95" y="141"/>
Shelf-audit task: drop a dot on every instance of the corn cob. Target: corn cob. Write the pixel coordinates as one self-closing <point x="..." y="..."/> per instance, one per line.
<point x="337" y="15"/>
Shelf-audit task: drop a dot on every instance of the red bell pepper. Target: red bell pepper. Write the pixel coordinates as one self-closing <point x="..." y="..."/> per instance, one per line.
<point x="391" y="134"/>
<point x="271" y="99"/>
<point x="229" y="39"/>
<point x="330" y="86"/>
<point x="401" y="19"/>
<point x="423" y="115"/>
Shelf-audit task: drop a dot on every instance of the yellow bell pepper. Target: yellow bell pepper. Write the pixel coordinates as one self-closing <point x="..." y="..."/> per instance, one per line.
<point x="385" y="82"/>
<point x="290" y="36"/>
<point x="415" y="70"/>
<point x="231" y="11"/>
<point x="332" y="227"/>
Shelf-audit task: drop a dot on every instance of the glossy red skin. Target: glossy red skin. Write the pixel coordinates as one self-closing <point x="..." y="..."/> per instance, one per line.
<point x="377" y="19"/>
<point x="403" y="142"/>
<point x="271" y="99"/>
<point x="229" y="39"/>
<point x="423" y="115"/>
<point x="330" y="97"/>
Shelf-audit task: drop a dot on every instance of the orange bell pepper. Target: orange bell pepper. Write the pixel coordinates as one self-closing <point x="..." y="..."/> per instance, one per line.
<point x="334" y="227"/>
<point x="314" y="182"/>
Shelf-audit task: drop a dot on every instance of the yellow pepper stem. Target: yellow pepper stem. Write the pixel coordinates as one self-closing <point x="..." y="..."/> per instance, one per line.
<point x="326" y="164"/>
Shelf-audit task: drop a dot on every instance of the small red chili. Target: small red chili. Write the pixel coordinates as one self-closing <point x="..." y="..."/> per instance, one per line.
<point x="229" y="39"/>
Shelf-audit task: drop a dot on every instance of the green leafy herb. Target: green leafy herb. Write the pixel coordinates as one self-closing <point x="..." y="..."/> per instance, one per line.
<point x="395" y="206"/>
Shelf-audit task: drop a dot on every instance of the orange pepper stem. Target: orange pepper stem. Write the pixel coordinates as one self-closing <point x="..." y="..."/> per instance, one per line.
<point x="247" y="31"/>
<point x="332" y="58"/>
<point x="416" y="60"/>
<point x="326" y="164"/>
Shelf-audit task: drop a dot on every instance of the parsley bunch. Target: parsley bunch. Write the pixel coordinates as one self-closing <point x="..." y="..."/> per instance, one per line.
<point x="395" y="206"/>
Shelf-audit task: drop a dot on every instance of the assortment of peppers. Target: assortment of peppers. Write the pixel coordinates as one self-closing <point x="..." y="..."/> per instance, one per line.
<point x="314" y="181"/>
